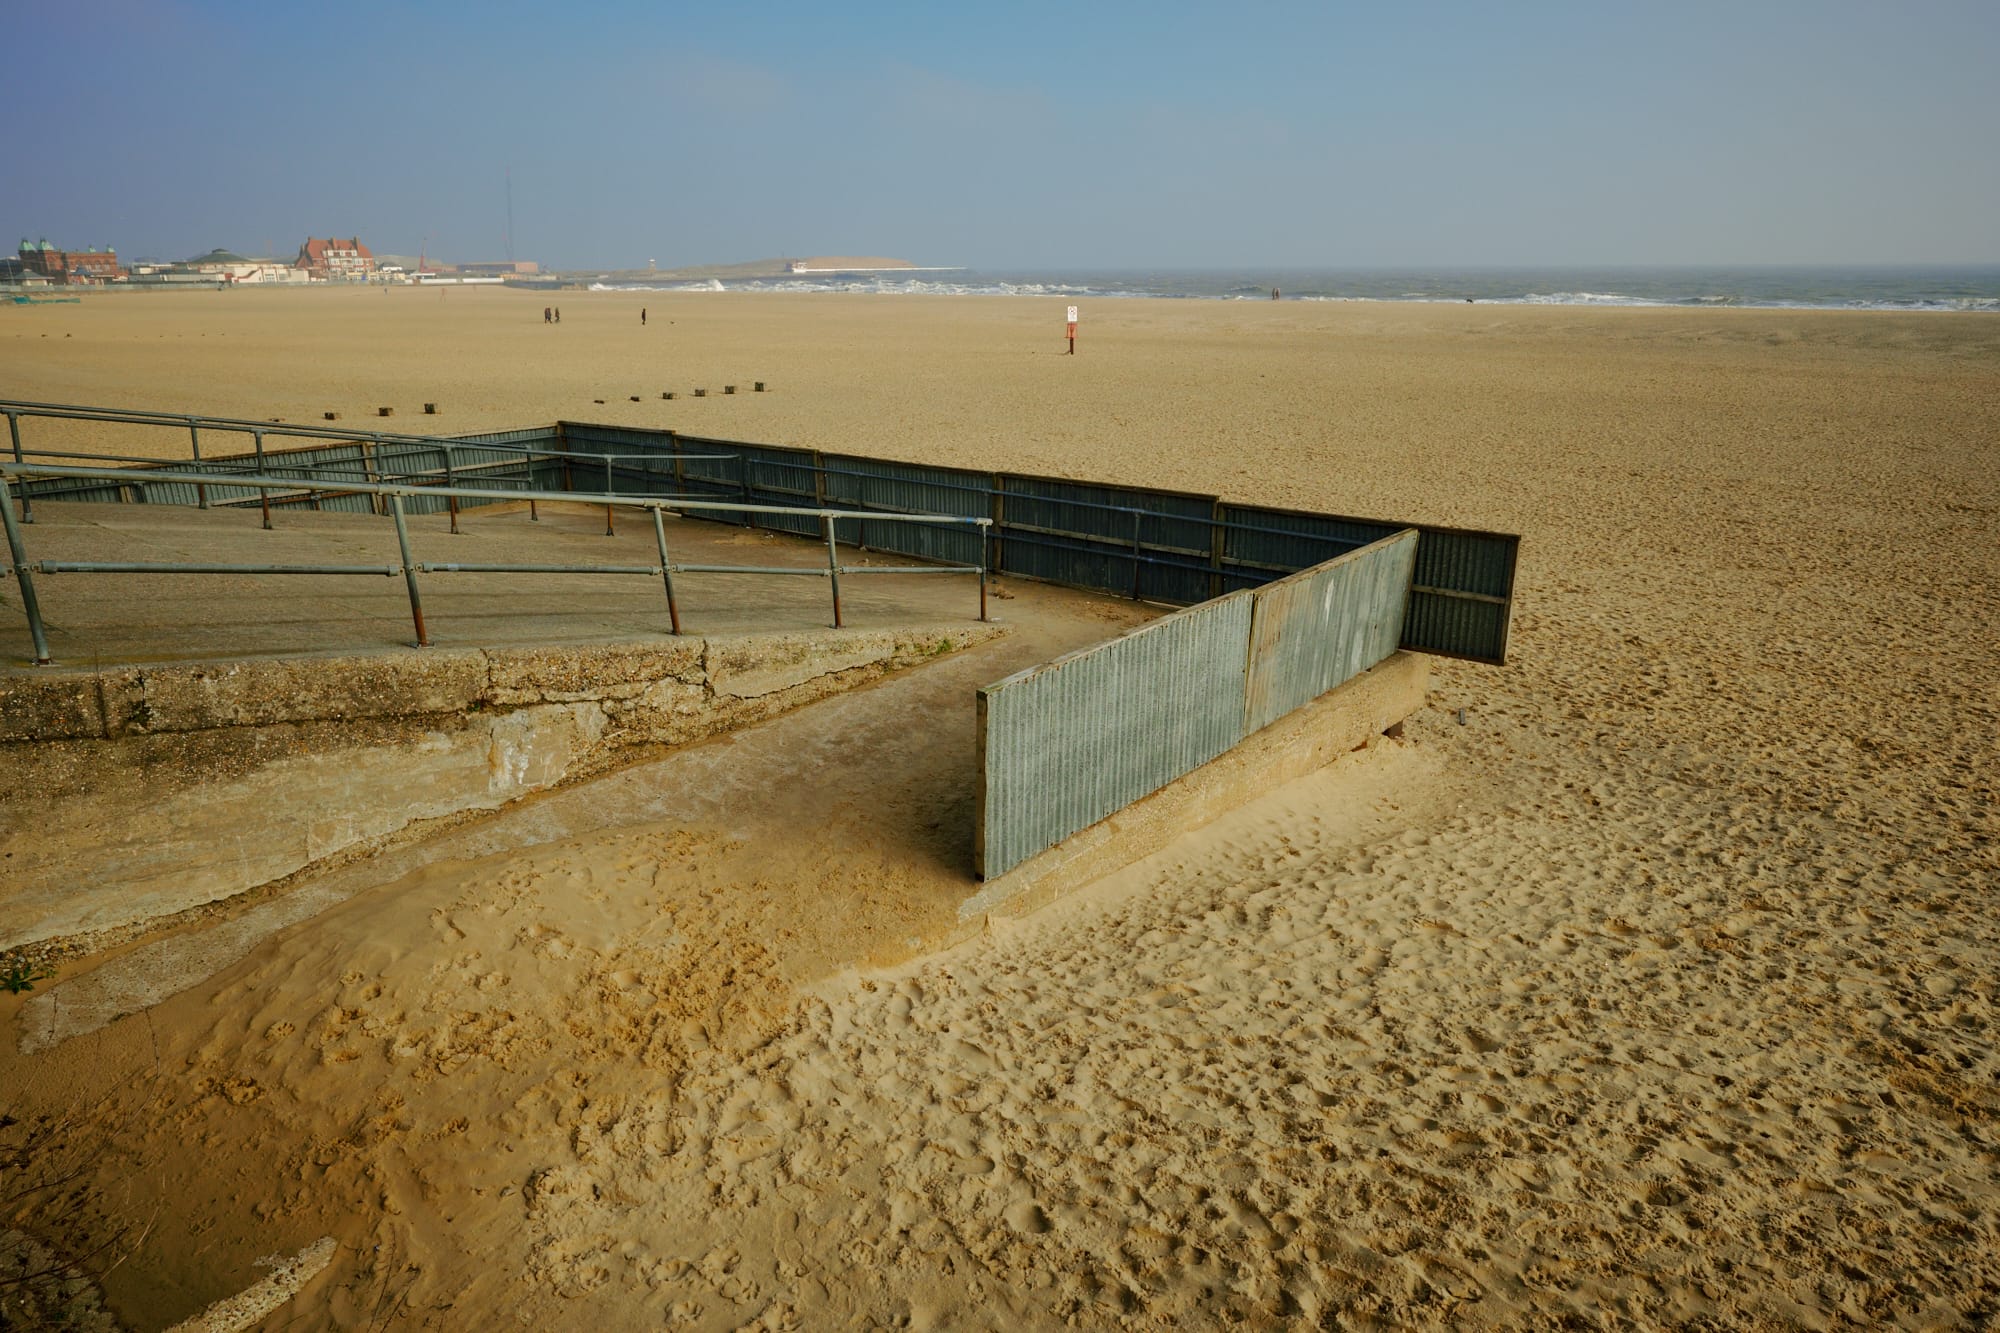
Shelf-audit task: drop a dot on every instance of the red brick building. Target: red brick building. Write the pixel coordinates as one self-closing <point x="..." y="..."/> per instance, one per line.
<point x="336" y="260"/>
<point x="71" y="266"/>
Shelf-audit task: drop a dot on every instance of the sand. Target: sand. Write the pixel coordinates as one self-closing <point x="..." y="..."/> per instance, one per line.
<point x="1660" y="991"/>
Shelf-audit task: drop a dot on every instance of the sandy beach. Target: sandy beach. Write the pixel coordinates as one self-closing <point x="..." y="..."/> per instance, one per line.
<point x="1649" y="980"/>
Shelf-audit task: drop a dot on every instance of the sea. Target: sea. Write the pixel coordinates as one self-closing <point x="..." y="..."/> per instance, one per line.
<point x="1957" y="288"/>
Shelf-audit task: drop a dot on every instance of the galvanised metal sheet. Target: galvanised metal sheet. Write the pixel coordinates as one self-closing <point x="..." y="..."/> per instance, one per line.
<point x="532" y="437"/>
<point x="1323" y="626"/>
<point x="1133" y="541"/>
<point x="782" y="476"/>
<point x="869" y="483"/>
<point x="1260" y="544"/>
<point x="324" y="465"/>
<point x="1462" y="594"/>
<point x="1067" y="743"/>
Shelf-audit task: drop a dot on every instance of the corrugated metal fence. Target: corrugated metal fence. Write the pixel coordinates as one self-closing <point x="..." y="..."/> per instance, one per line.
<point x="1287" y="604"/>
<point x="1132" y="541"/>
<point x="1167" y="546"/>
<point x="1067" y="743"/>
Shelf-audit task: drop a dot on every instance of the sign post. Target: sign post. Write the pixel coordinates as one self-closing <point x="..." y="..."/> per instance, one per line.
<point x="1072" y="330"/>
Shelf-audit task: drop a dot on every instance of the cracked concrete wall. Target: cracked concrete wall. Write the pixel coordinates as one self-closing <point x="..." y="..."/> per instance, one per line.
<point x="136" y="793"/>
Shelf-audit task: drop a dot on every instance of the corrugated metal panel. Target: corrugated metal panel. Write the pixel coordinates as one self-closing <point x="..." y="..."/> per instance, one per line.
<point x="1067" y="743"/>
<point x="531" y="437"/>
<point x="1462" y="594"/>
<point x="782" y="476"/>
<point x="868" y="483"/>
<point x="1263" y="544"/>
<point x="1118" y="539"/>
<point x="1323" y="626"/>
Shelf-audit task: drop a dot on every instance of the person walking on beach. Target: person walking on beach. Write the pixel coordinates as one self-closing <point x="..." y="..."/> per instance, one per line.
<point x="642" y="317"/>
<point x="545" y="316"/>
<point x="558" y="314"/>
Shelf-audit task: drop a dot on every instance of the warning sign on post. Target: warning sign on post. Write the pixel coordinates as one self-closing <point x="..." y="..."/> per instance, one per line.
<point x="1072" y="330"/>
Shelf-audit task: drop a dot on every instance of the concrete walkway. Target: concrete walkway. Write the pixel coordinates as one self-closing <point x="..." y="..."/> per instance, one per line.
<point x="842" y="831"/>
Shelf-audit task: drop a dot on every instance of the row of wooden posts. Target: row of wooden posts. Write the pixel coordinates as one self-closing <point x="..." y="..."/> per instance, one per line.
<point x="669" y="395"/>
<point x="430" y="409"/>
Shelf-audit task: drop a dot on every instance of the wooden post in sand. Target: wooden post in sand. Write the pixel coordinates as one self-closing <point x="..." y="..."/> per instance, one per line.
<point x="1072" y="330"/>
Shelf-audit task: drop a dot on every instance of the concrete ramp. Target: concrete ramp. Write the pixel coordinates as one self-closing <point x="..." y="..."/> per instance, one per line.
<point x="141" y="792"/>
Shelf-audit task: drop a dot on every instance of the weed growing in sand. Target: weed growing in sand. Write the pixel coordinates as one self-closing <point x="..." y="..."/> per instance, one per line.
<point x="56" y="1247"/>
<point x="18" y="973"/>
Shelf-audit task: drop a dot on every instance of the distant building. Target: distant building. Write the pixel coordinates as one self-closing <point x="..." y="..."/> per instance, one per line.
<point x="335" y="260"/>
<point x="70" y="267"/>
<point x="228" y="266"/>
<point x="506" y="268"/>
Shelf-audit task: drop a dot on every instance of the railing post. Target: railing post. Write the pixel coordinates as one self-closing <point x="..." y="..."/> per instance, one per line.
<point x="743" y="488"/>
<point x="997" y="540"/>
<point x="982" y="579"/>
<point x="450" y="480"/>
<point x="371" y="470"/>
<point x="19" y="553"/>
<point x="832" y="565"/>
<point x="263" y="496"/>
<point x="1138" y="517"/>
<point x="14" y="429"/>
<point x="1218" y="546"/>
<point x="666" y="570"/>
<point x="409" y="571"/>
<point x="609" y="490"/>
<point x="194" y="443"/>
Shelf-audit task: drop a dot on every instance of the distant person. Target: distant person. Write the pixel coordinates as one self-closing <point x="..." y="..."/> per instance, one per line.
<point x="558" y="314"/>
<point x="642" y="317"/>
<point x="1274" y="293"/>
<point x="547" y="318"/>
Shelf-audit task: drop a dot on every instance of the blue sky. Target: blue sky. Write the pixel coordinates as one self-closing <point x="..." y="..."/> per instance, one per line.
<point x="1245" y="135"/>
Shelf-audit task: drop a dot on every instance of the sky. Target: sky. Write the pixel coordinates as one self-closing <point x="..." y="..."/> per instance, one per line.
<point x="995" y="136"/>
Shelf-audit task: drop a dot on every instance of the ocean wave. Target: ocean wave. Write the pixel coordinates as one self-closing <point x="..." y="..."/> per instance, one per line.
<point x="1711" y="291"/>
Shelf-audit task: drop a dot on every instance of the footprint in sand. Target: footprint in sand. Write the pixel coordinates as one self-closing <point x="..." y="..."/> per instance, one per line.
<point x="1028" y="1219"/>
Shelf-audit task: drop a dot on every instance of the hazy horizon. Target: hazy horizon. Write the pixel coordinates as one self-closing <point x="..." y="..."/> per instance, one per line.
<point x="1119" y="138"/>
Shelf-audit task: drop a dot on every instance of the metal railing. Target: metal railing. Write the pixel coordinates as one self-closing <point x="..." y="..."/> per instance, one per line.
<point x="1134" y="541"/>
<point x="447" y="470"/>
<point x="14" y="473"/>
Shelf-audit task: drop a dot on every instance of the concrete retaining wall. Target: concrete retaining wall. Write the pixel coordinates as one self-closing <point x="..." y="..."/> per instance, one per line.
<point x="136" y="793"/>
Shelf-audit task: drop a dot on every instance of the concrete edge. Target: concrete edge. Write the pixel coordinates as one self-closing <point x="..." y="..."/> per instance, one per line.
<point x="116" y="702"/>
<point x="590" y="734"/>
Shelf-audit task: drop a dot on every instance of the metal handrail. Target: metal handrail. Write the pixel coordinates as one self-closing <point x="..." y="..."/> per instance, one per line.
<point x="396" y="493"/>
<point x="301" y="430"/>
<point x="15" y="409"/>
